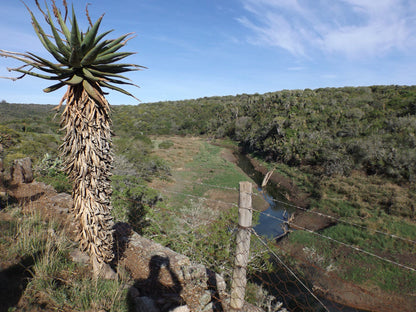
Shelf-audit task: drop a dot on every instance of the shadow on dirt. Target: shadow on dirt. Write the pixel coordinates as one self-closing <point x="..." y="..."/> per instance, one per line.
<point x="13" y="282"/>
<point x="164" y="297"/>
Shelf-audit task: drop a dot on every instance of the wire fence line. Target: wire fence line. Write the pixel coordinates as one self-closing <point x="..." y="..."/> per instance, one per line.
<point x="288" y="268"/>
<point x="340" y="220"/>
<point x="199" y="197"/>
<point x="339" y="242"/>
<point x="289" y="205"/>
<point x="304" y="229"/>
<point x="211" y="185"/>
<point x="270" y="284"/>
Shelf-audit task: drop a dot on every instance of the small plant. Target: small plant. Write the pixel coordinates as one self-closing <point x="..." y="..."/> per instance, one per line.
<point x="50" y="170"/>
<point x="166" y="144"/>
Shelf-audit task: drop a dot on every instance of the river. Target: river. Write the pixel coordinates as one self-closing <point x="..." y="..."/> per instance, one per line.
<point x="271" y="221"/>
<point x="281" y="282"/>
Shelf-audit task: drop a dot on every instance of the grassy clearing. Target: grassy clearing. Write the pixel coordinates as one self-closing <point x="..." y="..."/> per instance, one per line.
<point x="355" y="266"/>
<point x="48" y="279"/>
<point x="374" y="205"/>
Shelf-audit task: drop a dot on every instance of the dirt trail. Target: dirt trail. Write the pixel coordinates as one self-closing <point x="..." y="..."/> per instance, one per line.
<point x="179" y="156"/>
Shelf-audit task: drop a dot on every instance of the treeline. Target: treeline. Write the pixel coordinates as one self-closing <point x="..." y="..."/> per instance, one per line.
<point x="334" y="129"/>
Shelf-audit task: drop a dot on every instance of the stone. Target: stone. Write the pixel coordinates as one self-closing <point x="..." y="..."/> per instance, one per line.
<point x="79" y="256"/>
<point x="209" y="308"/>
<point x="205" y="299"/>
<point x="103" y="270"/>
<point x="22" y="171"/>
<point x="181" y="309"/>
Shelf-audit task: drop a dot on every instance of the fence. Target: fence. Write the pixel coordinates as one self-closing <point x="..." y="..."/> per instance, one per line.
<point x="292" y="279"/>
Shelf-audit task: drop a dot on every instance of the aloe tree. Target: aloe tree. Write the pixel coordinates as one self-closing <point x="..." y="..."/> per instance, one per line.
<point x="84" y="63"/>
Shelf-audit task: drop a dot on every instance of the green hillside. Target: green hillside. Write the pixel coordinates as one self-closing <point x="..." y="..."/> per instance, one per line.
<point x="351" y="150"/>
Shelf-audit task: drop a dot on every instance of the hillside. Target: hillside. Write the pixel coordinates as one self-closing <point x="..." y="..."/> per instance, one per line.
<point x="352" y="151"/>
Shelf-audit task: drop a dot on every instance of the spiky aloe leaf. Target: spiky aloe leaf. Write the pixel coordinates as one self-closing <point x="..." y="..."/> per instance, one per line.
<point x="54" y="87"/>
<point x="52" y="49"/>
<point x="74" y="80"/>
<point x="65" y="30"/>
<point x="91" y="91"/>
<point x="81" y="56"/>
<point x="115" y="88"/>
<point x="92" y="54"/>
<point x="59" y="42"/>
<point x="101" y="36"/>
<point x="114" y="45"/>
<point x="111" y="58"/>
<point x="89" y="39"/>
<point x="117" y="68"/>
<point x="89" y="75"/>
<point x="75" y="43"/>
<point x="98" y="73"/>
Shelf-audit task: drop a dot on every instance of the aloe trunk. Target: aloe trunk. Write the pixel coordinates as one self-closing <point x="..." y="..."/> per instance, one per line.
<point x="88" y="160"/>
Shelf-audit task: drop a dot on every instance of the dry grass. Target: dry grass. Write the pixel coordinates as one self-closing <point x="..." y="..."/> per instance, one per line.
<point x="48" y="279"/>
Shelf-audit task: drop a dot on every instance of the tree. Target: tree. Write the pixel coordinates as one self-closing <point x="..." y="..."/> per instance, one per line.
<point x="86" y="63"/>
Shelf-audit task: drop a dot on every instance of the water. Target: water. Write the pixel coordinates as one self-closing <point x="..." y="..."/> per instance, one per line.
<point x="271" y="224"/>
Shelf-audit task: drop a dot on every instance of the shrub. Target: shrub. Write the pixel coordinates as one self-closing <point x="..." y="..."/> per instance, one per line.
<point x="132" y="200"/>
<point x="166" y="144"/>
<point x="50" y="171"/>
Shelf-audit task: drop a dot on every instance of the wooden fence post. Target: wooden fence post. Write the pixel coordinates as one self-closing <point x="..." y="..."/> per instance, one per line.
<point x="245" y="213"/>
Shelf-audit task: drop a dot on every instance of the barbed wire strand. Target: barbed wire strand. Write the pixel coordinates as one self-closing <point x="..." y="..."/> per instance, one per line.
<point x="288" y="269"/>
<point x="199" y="197"/>
<point x="340" y="220"/>
<point x="339" y="242"/>
<point x="310" y="211"/>
<point x="300" y="227"/>
<point x="211" y="185"/>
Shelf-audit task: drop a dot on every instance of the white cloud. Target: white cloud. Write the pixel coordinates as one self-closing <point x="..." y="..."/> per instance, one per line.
<point x="296" y="68"/>
<point x="353" y="28"/>
<point x="329" y="76"/>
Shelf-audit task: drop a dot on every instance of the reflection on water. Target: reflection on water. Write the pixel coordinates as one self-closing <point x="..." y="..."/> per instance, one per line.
<point x="270" y="222"/>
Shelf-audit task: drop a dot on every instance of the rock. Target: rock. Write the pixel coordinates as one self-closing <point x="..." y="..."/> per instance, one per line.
<point x="22" y="171"/>
<point x="181" y="309"/>
<point x="62" y="202"/>
<point x="209" y="308"/>
<point x="103" y="270"/>
<point x="145" y="304"/>
<point x="205" y="299"/>
<point x="79" y="256"/>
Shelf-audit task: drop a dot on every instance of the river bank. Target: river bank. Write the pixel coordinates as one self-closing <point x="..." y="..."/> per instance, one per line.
<point x="323" y="280"/>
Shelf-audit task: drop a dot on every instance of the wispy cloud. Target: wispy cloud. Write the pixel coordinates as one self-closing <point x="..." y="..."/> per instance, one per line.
<point x="353" y="28"/>
<point x="296" y="68"/>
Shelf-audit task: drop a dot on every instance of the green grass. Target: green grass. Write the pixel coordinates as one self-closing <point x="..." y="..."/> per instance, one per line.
<point x="215" y="170"/>
<point x="358" y="267"/>
<point x="56" y="282"/>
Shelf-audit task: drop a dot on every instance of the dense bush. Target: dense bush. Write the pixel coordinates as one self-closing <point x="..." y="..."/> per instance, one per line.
<point x="337" y="129"/>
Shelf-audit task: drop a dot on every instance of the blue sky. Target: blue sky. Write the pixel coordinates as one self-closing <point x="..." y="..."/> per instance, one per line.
<point x="197" y="48"/>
